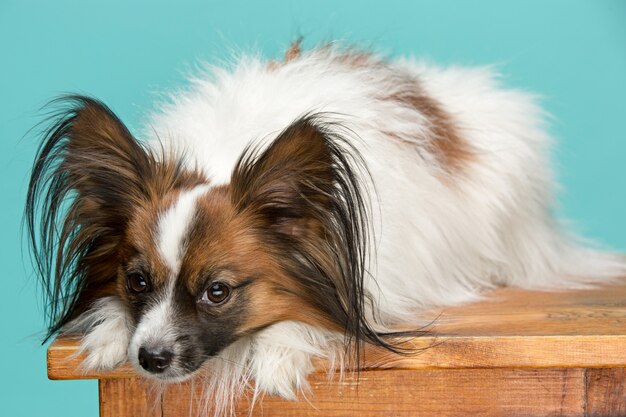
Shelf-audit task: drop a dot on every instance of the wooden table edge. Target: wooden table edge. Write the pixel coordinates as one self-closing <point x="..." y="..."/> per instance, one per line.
<point x="64" y="359"/>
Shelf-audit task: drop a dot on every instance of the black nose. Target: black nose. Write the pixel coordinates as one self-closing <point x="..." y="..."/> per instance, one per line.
<point x="155" y="361"/>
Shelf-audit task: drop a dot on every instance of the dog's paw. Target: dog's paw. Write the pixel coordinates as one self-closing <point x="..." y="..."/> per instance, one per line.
<point x="106" y="334"/>
<point x="284" y="373"/>
<point x="283" y="358"/>
<point x="105" y="349"/>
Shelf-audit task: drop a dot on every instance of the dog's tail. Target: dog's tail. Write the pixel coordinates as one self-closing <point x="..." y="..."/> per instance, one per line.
<point x="558" y="260"/>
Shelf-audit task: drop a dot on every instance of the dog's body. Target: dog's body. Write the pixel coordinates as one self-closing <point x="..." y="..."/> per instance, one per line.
<point x="442" y="174"/>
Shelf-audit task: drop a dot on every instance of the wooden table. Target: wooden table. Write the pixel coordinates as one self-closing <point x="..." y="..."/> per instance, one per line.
<point x="518" y="353"/>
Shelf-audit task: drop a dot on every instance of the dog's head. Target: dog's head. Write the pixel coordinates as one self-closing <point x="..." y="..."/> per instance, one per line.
<point x="197" y="265"/>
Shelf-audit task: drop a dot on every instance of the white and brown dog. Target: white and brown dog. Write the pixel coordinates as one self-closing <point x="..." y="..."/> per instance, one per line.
<point x="278" y="211"/>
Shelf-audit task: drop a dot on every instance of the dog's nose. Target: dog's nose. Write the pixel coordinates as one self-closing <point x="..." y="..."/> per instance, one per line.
<point x="155" y="361"/>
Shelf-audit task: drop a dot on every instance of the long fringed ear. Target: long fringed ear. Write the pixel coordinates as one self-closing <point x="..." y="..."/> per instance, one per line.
<point x="292" y="183"/>
<point x="307" y="189"/>
<point x="88" y="176"/>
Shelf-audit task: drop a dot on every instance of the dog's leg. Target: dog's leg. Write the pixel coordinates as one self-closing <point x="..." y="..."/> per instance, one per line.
<point x="282" y="357"/>
<point x="107" y="334"/>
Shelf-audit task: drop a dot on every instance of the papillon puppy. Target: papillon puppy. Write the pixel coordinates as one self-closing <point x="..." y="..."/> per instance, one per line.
<point x="274" y="212"/>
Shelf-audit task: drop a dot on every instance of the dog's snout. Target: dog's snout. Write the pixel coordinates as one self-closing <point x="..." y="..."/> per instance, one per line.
<point x="155" y="360"/>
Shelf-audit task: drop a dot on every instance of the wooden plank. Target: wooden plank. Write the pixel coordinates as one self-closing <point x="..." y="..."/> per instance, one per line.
<point x="441" y="353"/>
<point x="129" y="398"/>
<point x="510" y="352"/>
<point x="65" y="361"/>
<point x="606" y="392"/>
<point x="437" y="393"/>
<point x="513" y="328"/>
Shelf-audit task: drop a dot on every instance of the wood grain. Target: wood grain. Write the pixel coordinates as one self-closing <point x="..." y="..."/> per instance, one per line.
<point x="476" y="392"/>
<point x="132" y="397"/>
<point x="509" y="329"/>
<point x="606" y="392"/>
<point x="403" y="393"/>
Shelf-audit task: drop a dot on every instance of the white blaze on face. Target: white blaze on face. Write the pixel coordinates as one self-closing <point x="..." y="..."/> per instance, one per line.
<point x="173" y="226"/>
<point x="155" y="328"/>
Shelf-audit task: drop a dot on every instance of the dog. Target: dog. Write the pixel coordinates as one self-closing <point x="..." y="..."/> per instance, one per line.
<point x="274" y="212"/>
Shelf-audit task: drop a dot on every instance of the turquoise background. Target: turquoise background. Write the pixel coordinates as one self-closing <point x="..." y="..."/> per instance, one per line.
<point x="572" y="52"/>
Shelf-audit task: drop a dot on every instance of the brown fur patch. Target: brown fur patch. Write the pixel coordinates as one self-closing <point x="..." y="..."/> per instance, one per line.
<point x="450" y="148"/>
<point x="139" y="245"/>
<point x="294" y="50"/>
<point x="273" y="302"/>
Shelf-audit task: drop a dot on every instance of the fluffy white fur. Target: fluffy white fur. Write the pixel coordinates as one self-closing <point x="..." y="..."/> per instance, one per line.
<point x="107" y="334"/>
<point x="440" y="238"/>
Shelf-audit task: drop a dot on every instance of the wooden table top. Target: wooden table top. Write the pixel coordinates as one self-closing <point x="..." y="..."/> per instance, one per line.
<point x="510" y="328"/>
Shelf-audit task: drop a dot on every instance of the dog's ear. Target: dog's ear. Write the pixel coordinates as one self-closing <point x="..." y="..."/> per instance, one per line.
<point x="102" y="160"/>
<point x="308" y="188"/>
<point x="89" y="176"/>
<point x="290" y="184"/>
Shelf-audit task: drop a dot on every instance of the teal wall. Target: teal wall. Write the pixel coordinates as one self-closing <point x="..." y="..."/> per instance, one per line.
<point x="572" y="52"/>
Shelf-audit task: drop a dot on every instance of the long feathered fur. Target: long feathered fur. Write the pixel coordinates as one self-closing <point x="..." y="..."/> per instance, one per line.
<point x="321" y="181"/>
<point x="89" y="176"/>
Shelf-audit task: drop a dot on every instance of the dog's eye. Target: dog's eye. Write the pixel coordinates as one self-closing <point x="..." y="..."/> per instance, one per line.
<point x="137" y="282"/>
<point x="217" y="293"/>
